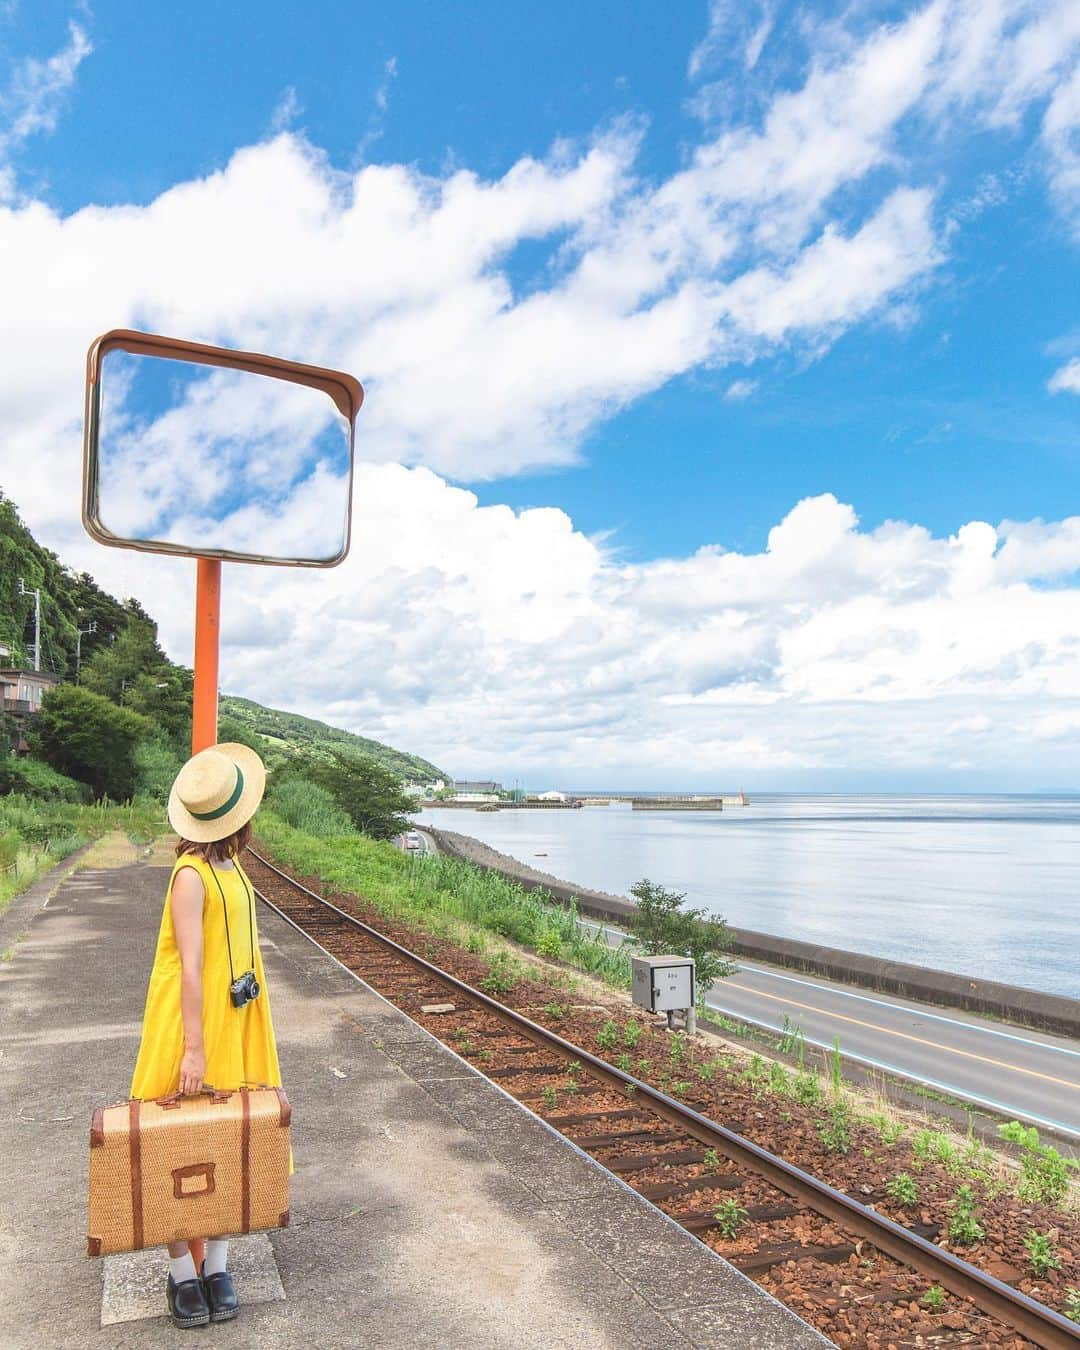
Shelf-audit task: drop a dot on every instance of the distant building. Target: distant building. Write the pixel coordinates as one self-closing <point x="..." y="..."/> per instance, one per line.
<point x="550" y="796"/>
<point x="424" y="789"/>
<point x="478" y="792"/>
<point x="21" y="692"/>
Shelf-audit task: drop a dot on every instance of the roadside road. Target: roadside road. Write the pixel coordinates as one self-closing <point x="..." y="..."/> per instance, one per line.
<point x="1013" y="1071"/>
<point x="1018" y="1072"/>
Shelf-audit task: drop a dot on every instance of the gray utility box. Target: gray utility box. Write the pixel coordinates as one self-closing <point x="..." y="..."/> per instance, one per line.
<point x="663" y="983"/>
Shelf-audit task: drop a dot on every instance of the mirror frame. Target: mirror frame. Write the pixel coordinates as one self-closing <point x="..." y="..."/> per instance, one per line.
<point x="346" y="392"/>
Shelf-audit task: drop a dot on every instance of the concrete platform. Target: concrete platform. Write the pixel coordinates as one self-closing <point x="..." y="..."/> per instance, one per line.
<point x="428" y="1207"/>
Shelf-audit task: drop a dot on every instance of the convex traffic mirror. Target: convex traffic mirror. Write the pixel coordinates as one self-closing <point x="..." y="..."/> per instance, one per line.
<point x="204" y="451"/>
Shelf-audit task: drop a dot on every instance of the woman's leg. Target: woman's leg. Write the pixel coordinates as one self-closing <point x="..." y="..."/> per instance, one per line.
<point x="181" y="1263"/>
<point x="220" y="1293"/>
<point x="184" y="1292"/>
<point x="217" y="1255"/>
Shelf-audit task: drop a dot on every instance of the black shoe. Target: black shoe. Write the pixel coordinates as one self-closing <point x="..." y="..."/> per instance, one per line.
<point x="221" y="1296"/>
<point x="187" y="1303"/>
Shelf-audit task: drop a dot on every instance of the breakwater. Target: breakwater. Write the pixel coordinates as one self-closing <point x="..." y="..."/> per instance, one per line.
<point x="1028" y="1007"/>
<point x="677" y="803"/>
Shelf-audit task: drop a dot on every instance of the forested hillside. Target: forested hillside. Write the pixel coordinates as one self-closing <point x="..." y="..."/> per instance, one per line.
<point x="149" y="721"/>
<point x="291" y="732"/>
<point x="69" y="600"/>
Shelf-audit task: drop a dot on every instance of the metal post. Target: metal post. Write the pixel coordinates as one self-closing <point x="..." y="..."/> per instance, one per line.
<point x="24" y="589"/>
<point x="204" y="703"/>
<point x="80" y="633"/>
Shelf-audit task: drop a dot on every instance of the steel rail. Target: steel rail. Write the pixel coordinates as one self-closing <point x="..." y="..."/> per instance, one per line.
<point x="1039" y="1323"/>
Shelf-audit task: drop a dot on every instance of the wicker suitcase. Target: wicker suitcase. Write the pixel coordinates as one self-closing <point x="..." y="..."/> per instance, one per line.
<point x="188" y="1167"/>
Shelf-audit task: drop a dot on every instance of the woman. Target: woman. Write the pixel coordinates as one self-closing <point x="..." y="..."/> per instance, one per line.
<point x="193" y="1031"/>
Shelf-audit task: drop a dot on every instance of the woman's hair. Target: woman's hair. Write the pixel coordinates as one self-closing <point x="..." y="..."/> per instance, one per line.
<point x="218" y="850"/>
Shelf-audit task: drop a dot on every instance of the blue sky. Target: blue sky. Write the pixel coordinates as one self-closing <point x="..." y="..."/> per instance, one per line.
<point x="942" y="420"/>
<point x="655" y="278"/>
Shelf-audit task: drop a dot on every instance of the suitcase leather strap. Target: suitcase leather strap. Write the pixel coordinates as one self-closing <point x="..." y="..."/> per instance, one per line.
<point x="245" y="1161"/>
<point x="135" y="1154"/>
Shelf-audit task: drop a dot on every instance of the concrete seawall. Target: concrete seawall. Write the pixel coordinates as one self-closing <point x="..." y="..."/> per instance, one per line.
<point x="1027" y="1007"/>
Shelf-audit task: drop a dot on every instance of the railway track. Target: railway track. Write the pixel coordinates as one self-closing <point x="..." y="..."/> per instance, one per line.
<point x="860" y="1276"/>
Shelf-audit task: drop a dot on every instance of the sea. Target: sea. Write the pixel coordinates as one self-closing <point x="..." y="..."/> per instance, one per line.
<point x="987" y="886"/>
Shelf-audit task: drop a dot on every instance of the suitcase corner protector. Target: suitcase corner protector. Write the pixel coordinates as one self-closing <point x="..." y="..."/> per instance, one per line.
<point x="283" y="1219"/>
<point x="93" y="1246"/>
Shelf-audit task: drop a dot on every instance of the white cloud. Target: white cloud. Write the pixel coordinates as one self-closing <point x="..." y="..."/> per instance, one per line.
<point x="509" y="642"/>
<point x="34" y="97"/>
<point x="288" y="110"/>
<point x="1066" y="378"/>
<point x="738" y="390"/>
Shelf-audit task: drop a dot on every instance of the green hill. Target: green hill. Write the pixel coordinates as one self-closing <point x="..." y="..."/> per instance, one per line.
<point x="290" y="732"/>
<point x="122" y="661"/>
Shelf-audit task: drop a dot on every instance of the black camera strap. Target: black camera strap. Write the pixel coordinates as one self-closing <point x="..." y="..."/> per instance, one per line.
<point x="225" y="911"/>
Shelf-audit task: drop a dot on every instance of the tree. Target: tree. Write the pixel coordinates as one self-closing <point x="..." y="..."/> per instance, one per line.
<point x="134" y="672"/>
<point x="662" y="927"/>
<point x="83" y="735"/>
<point x="371" y="796"/>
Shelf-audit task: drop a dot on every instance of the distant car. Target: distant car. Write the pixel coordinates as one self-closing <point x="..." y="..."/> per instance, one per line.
<point x="413" y="841"/>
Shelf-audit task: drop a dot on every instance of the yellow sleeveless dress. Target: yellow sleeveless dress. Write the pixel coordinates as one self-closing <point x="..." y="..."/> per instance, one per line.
<point x="239" y="1042"/>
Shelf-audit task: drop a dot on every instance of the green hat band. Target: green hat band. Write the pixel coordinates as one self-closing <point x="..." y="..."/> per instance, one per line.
<point x="224" y="809"/>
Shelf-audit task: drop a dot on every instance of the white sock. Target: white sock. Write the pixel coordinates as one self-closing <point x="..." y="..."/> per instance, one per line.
<point x="217" y="1253"/>
<point x="182" y="1268"/>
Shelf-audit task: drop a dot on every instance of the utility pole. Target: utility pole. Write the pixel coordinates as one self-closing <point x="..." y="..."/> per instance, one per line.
<point x="24" y="589"/>
<point x="91" y="627"/>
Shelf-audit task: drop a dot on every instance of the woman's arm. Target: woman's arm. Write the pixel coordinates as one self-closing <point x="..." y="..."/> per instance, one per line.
<point x="187" y="916"/>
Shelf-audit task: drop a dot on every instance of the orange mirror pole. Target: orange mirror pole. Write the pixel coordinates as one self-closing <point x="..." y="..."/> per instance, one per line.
<point x="204" y="703"/>
<point x="204" y="706"/>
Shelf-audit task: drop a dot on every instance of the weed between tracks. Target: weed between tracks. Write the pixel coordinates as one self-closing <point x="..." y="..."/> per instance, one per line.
<point x="1017" y="1223"/>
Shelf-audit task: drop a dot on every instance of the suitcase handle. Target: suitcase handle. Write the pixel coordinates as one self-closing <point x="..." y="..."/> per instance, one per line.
<point x="175" y="1098"/>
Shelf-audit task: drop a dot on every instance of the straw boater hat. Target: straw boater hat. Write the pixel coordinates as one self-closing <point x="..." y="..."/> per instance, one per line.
<point x="216" y="792"/>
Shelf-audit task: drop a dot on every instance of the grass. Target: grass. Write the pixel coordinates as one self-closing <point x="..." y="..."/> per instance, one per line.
<point x="469" y="903"/>
<point x="964" y="1226"/>
<point x="1041" y="1254"/>
<point x="903" y="1190"/>
<point x="730" y="1217"/>
<point x="35" y="835"/>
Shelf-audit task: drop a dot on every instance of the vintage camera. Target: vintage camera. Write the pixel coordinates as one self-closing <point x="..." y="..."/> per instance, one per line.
<point x="244" y="990"/>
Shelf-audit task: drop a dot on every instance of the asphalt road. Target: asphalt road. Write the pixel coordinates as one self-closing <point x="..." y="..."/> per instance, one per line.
<point x="1022" y="1073"/>
<point x="1014" y="1071"/>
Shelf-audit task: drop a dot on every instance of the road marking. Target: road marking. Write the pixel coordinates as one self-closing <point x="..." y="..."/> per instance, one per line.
<point x="1010" y="1110"/>
<point x="904" y="1035"/>
<point x="827" y="988"/>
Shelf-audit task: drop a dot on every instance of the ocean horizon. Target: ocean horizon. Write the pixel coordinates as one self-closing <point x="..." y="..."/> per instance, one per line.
<point x="981" y="884"/>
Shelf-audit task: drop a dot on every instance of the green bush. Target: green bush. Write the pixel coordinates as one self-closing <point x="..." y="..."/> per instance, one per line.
<point x="85" y="736"/>
<point x="660" y="925"/>
<point x="156" y="765"/>
<point x="34" y="778"/>
<point x="309" y="807"/>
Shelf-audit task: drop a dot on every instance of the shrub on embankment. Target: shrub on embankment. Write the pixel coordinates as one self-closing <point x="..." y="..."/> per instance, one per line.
<point x="36" y="834"/>
<point x="439" y="892"/>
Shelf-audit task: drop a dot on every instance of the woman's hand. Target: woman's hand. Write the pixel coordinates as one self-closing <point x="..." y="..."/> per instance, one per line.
<point x="192" y="1069"/>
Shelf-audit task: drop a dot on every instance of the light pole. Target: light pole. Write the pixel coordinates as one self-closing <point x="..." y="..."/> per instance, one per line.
<point x="80" y="633"/>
